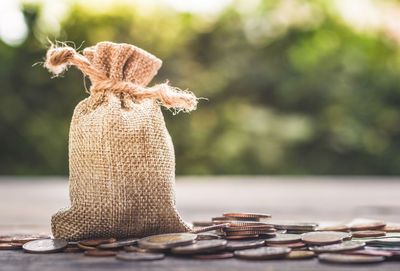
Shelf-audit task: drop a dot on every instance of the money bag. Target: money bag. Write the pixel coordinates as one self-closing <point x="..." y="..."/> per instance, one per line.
<point x="121" y="157"/>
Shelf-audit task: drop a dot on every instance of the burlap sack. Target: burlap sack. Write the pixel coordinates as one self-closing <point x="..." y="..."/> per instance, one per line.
<point x="121" y="157"/>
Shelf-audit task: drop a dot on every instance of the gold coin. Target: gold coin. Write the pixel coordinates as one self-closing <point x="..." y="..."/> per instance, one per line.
<point x="169" y="240"/>
<point x="96" y="242"/>
<point x="85" y="247"/>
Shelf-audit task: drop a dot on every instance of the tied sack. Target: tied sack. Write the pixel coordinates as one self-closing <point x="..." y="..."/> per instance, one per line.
<point x="121" y="157"/>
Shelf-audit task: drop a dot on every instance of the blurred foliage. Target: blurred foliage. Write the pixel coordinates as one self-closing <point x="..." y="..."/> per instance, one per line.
<point x="311" y="97"/>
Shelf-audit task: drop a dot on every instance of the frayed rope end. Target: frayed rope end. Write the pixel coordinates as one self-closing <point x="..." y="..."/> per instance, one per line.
<point x="58" y="59"/>
<point x="176" y="99"/>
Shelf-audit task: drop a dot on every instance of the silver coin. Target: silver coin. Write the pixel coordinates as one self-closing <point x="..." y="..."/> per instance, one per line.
<point x="138" y="256"/>
<point x="345" y="246"/>
<point x="117" y="244"/>
<point x="238" y="245"/>
<point x="169" y="240"/>
<point x="324" y="237"/>
<point x="205" y="246"/>
<point x="45" y="246"/>
<point x="207" y="236"/>
<point x="300" y="226"/>
<point x="349" y="259"/>
<point x="284" y="239"/>
<point x="262" y="253"/>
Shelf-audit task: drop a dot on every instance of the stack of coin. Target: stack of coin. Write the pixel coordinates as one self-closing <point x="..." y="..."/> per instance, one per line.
<point x="245" y="225"/>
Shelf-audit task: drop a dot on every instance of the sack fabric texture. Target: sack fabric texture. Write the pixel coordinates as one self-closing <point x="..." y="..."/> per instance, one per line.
<point x="121" y="157"/>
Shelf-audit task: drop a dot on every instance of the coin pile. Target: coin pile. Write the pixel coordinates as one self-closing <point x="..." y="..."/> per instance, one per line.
<point x="244" y="226"/>
<point x="246" y="236"/>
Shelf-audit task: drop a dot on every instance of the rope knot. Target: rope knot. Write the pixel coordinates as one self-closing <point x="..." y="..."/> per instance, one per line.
<point x="58" y="59"/>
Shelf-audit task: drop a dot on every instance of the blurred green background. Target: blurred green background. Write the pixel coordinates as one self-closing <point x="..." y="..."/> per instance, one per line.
<point x="293" y="86"/>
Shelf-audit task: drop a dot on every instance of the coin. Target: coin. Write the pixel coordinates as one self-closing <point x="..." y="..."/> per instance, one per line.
<point x="370" y="252"/>
<point x="142" y="250"/>
<point x="202" y="223"/>
<point x="388" y="228"/>
<point x="101" y="253"/>
<point x="384" y="242"/>
<point x="216" y="256"/>
<point x="250" y="228"/>
<point x="205" y="246"/>
<point x="300" y="226"/>
<point x="24" y="238"/>
<point x="10" y="246"/>
<point x="169" y="240"/>
<point x="96" y="242"/>
<point x="211" y="228"/>
<point x="207" y="236"/>
<point x="247" y="223"/>
<point x="137" y="256"/>
<point x="247" y="215"/>
<point x="322" y="238"/>
<point x="289" y="245"/>
<point x="368" y="233"/>
<point x="227" y="219"/>
<point x="234" y="237"/>
<point x="368" y="226"/>
<point x="6" y="239"/>
<point x="45" y="246"/>
<point x="300" y="254"/>
<point x="335" y="228"/>
<point x="238" y="245"/>
<point x="284" y="238"/>
<point x="85" y="247"/>
<point x="348" y="259"/>
<point x="119" y="243"/>
<point x="262" y="253"/>
<point x="255" y="232"/>
<point x="345" y="246"/>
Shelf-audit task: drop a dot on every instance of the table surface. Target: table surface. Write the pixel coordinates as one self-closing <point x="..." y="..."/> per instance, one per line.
<point x="26" y="205"/>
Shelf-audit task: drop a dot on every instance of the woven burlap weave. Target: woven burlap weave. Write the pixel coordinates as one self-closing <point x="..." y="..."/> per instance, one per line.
<point x="121" y="157"/>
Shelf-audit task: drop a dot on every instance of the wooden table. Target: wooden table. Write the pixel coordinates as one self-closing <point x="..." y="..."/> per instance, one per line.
<point x="26" y="205"/>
